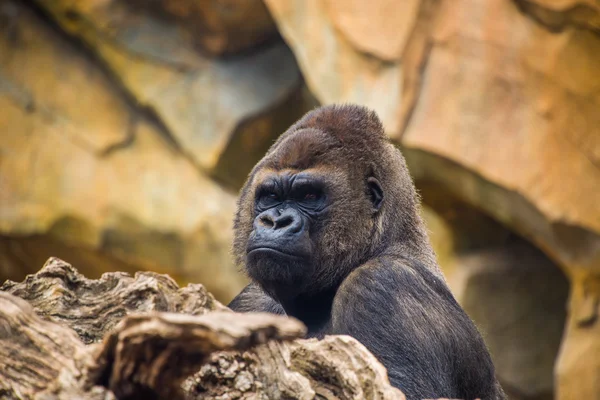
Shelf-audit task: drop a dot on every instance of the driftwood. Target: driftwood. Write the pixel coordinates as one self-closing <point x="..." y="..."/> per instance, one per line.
<point x="63" y="336"/>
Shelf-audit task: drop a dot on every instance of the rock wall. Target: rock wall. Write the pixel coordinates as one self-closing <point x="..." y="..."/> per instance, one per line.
<point x="495" y="105"/>
<point x="126" y="128"/>
<point x="119" y="124"/>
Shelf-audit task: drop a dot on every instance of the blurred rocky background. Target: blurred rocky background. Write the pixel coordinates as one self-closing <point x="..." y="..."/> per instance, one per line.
<point x="127" y="128"/>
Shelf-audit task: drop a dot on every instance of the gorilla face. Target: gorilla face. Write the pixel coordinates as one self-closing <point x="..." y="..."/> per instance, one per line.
<point x="297" y="234"/>
<point x="282" y="249"/>
<point x="309" y="212"/>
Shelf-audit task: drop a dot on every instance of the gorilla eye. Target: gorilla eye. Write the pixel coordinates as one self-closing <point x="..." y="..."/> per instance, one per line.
<point x="308" y="194"/>
<point x="267" y="198"/>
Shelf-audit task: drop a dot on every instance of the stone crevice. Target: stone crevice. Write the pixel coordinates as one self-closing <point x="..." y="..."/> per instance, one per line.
<point x="421" y="43"/>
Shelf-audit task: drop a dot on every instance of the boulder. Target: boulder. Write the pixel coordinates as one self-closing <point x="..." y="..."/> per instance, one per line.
<point x="84" y="168"/>
<point x="207" y="105"/>
<point x="127" y="139"/>
<point x="218" y="28"/>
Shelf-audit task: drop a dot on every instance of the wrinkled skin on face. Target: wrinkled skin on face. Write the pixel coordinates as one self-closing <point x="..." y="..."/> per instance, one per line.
<point x="290" y="238"/>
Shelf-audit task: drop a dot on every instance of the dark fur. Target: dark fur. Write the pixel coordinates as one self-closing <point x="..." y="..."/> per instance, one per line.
<point x="372" y="273"/>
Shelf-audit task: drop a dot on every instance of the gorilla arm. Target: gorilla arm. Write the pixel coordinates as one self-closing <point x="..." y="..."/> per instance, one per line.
<point x="407" y="317"/>
<point x="253" y="299"/>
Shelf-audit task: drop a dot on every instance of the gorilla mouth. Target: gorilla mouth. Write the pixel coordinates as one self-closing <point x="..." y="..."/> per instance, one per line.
<point x="267" y="250"/>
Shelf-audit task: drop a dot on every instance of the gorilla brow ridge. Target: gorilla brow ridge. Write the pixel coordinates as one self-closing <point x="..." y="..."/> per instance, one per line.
<point x="354" y="131"/>
<point x="304" y="148"/>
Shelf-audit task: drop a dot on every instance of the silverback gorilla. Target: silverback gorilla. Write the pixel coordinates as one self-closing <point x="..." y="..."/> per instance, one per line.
<point x="329" y="232"/>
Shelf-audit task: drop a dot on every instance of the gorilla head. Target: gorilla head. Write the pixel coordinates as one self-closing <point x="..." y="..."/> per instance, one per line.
<point x="330" y="194"/>
<point x="328" y="230"/>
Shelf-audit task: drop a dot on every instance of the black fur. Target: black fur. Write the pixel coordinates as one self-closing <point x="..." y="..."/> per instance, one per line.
<point x="353" y="257"/>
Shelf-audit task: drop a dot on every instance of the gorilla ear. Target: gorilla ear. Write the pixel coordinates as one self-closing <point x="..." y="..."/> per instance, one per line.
<point x="375" y="193"/>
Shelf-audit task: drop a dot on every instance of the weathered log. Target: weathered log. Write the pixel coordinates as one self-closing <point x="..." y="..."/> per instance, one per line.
<point x="140" y="337"/>
<point x="145" y="356"/>
<point x="151" y="355"/>
<point x="36" y="354"/>
<point x="94" y="307"/>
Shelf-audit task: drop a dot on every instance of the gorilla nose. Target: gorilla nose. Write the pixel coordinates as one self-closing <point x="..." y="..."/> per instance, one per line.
<point x="279" y="233"/>
<point x="284" y="222"/>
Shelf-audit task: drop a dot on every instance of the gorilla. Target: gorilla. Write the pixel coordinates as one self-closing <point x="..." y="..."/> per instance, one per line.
<point x="328" y="230"/>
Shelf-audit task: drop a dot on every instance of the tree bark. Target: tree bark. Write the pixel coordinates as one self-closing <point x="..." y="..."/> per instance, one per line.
<point x="63" y="336"/>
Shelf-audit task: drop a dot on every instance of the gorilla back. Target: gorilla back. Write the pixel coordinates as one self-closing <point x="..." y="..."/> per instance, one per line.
<point x="328" y="230"/>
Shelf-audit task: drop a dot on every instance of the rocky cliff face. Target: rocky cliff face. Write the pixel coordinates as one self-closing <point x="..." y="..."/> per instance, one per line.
<point x="495" y="105"/>
<point x="118" y="131"/>
<point x="127" y="127"/>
